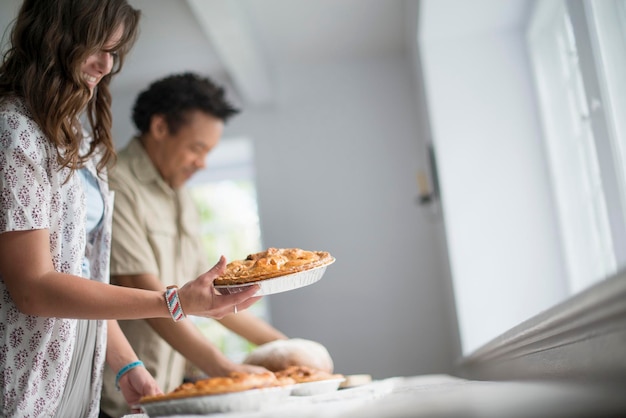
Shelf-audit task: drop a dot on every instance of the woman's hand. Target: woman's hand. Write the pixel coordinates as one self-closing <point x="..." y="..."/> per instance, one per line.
<point x="135" y="384"/>
<point x="200" y="298"/>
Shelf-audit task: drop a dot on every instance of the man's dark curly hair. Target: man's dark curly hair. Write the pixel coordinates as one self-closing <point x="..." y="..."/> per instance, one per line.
<point x="177" y="95"/>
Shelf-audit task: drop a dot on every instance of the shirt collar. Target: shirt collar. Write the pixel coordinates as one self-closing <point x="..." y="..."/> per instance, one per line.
<point x="143" y="167"/>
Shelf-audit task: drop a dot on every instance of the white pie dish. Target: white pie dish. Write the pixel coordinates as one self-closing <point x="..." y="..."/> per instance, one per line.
<point x="279" y="284"/>
<point x="247" y="400"/>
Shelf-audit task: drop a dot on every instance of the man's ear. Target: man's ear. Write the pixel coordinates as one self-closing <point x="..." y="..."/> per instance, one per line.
<point x="158" y="127"/>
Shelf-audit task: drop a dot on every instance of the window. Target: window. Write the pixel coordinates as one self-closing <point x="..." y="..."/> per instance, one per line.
<point x="226" y="198"/>
<point x="608" y="37"/>
<point x="526" y="114"/>
<point x="577" y="49"/>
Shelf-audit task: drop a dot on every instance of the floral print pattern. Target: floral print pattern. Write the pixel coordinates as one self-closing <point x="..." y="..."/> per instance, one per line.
<point x="35" y="352"/>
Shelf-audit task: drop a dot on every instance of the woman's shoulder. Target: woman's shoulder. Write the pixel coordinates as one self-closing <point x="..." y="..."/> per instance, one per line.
<point x="18" y="131"/>
<point x="15" y="117"/>
<point x="13" y="108"/>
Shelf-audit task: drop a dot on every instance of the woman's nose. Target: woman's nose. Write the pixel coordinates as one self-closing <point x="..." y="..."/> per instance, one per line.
<point x="105" y="62"/>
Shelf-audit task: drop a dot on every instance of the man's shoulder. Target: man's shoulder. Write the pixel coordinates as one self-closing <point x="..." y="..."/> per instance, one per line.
<point x="121" y="171"/>
<point x="126" y="154"/>
<point x="125" y="185"/>
<point x="120" y="174"/>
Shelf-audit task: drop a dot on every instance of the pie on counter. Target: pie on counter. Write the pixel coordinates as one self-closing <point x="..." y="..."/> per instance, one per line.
<point x="304" y="374"/>
<point x="235" y="382"/>
<point x="274" y="262"/>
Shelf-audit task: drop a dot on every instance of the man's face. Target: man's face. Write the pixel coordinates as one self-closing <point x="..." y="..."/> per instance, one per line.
<point x="180" y="155"/>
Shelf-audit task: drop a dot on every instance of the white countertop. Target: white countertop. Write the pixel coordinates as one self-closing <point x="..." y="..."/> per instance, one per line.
<point x="447" y="396"/>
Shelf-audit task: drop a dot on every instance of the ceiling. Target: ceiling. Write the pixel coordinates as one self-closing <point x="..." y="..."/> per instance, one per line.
<point x="243" y="41"/>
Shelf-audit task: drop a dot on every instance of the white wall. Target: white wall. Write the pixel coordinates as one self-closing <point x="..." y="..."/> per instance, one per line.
<point x="336" y="163"/>
<point x="499" y="214"/>
<point x="8" y="11"/>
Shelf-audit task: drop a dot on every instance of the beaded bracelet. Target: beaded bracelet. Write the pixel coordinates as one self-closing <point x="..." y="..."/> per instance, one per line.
<point x="125" y="370"/>
<point x="173" y="303"/>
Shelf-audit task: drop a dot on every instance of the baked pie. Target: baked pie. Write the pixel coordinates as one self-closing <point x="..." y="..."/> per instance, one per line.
<point x="304" y="374"/>
<point x="274" y="262"/>
<point x="235" y="382"/>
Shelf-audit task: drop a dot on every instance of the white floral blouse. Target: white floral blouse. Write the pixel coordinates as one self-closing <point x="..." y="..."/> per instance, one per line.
<point x="35" y="352"/>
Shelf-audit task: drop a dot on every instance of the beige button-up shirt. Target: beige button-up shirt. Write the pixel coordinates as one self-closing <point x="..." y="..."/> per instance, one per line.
<point x="155" y="231"/>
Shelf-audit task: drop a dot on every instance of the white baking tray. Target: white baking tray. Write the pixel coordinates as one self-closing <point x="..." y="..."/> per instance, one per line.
<point x="279" y="284"/>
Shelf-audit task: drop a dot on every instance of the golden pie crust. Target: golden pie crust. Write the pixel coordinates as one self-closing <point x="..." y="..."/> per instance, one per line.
<point x="235" y="382"/>
<point x="304" y="374"/>
<point x="274" y="262"/>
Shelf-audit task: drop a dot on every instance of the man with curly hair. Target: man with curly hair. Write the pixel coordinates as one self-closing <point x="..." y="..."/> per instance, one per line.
<point x="155" y="240"/>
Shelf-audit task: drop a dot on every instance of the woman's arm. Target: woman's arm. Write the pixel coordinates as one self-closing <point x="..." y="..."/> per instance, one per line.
<point x="135" y="383"/>
<point x="37" y="289"/>
<point x="184" y="336"/>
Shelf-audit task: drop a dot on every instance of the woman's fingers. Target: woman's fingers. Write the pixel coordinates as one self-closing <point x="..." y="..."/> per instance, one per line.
<point x="199" y="297"/>
<point x="218" y="269"/>
<point x="245" y="304"/>
<point x="242" y="300"/>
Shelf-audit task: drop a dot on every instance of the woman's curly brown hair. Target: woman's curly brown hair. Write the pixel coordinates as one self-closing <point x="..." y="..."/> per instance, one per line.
<point x="50" y="40"/>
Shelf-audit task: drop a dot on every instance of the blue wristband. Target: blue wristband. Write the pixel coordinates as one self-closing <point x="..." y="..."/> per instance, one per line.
<point x="125" y="370"/>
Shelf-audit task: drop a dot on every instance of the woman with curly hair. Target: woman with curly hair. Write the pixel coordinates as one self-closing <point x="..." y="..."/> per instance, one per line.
<point x="58" y="312"/>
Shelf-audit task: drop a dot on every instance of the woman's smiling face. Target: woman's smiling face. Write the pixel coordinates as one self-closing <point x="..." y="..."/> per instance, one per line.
<point x="100" y="64"/>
